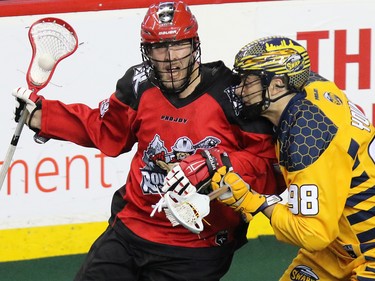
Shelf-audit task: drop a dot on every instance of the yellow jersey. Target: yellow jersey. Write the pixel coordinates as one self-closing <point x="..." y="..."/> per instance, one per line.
<point x="326" y="149"/>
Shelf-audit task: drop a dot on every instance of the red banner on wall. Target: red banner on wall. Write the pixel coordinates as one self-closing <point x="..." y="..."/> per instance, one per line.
<point x="36" y="7"/>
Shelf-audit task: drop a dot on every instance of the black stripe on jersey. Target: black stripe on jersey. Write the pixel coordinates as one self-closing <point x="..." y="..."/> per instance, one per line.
<point x="353" y="149"/>
<point x="353" y="152"/>
<point x="366" y="247"/>
<point x="370" y="269"/>
<point x="356" y="163"/>
<point x="360" y="197"/>
<point x="359" y="180"/>
<point x="368" y="258"/>
<point x="368" y="272"/>
<point x="366" y="236"/>
<point x="361" y="216"/>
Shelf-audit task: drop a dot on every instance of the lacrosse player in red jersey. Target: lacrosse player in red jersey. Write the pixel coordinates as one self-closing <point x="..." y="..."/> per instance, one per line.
<point x="171" y="105"/>
<point x="326" y="151"/>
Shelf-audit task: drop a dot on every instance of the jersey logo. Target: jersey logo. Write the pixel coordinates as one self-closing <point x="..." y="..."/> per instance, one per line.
<point x="221" y="237"/>
<point x="303" y="273"/>
<point x="103" y="107"/>
<point x="139" y="77"/>
<point x="159" y="160"/>
<point x="332" y="98"/>
<point x="166" y="14"/>
<point x="294" y="63"/>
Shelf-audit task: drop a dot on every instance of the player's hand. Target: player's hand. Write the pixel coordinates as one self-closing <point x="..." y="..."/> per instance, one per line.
<point x="18" y="109"/>
<point x="24" y="97"/>
<point x="195" y="172"/>
<point x="239" y="195"/>
<point x="22" y="100"/>
<point x="32" y="102"/>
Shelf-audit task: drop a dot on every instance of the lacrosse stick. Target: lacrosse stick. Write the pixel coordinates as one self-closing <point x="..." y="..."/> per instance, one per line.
<point x="52" y="40"/>
<point x="190" y="210"/>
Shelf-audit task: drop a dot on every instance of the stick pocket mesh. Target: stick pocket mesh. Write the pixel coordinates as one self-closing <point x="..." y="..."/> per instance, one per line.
<point x="49" y="39"/>
<point x="187" y="210"/>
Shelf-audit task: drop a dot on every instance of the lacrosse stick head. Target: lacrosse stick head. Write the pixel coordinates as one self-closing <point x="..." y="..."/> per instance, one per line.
<point x="187" y="210"/>
<point x="52" y="40"/>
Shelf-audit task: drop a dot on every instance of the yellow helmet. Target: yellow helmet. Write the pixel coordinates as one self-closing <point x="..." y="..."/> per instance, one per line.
<point x="275" y="55"/>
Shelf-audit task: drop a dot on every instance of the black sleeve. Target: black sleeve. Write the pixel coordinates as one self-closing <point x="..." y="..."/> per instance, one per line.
<point x="130" y="87"/>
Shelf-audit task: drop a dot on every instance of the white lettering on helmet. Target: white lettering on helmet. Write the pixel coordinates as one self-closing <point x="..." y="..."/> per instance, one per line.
<point x="168" y="32"/>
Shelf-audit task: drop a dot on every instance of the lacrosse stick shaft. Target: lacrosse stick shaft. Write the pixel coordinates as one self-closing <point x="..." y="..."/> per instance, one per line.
<point x="12" y="147"/>
<point x="218" y="192"/>
<point x="52" y="40"/>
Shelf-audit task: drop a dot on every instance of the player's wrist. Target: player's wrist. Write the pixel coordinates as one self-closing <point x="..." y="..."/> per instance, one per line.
<point x="255" y="203"/>
<point x="270" y="200"/>
<point x="34" y="120"/>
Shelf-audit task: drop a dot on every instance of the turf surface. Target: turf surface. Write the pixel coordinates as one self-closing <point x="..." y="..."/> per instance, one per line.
<point x="263" y="259"/>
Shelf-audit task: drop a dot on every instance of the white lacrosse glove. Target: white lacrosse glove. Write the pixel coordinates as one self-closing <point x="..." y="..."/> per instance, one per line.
<point x="23" y="97"/>
<point x="182" y="184"/>
<point x="177" y="181"/>
<point x="32" y="102"/>
<point x="176" y="185"/>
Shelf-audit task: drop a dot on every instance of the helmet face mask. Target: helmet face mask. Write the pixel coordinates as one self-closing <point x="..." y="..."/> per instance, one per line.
<point x="269" y="58"/>
<point x="253" y="94"/>
<point x="170" y="46"/>
<point x="173" y="64"/>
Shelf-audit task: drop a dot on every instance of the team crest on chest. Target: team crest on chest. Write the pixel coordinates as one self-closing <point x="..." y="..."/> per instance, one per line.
<point x="159" y="159"/>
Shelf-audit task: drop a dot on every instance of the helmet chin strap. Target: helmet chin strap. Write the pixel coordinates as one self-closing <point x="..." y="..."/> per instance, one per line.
<point x="279" y="97"/>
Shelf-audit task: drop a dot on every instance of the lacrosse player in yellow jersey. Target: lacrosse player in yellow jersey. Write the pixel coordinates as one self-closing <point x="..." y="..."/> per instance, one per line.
<point x="326" y="150"/>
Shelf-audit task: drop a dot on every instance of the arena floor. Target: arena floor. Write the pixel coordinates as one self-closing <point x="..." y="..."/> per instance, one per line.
<point x="262" y="259"/>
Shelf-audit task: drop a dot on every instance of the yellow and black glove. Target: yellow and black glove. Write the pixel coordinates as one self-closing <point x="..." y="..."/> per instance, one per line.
<point x="239" y="195"/>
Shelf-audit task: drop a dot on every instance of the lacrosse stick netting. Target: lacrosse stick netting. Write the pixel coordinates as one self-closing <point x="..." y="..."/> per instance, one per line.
<point x="52" y="40"/>
<point x="190" y="210"/>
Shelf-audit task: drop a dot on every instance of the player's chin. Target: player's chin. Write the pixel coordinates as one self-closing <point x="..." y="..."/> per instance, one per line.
<point x="173" y="86"/>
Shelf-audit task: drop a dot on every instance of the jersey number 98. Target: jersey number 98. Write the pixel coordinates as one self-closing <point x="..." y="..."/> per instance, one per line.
<point x="303" y="200"/>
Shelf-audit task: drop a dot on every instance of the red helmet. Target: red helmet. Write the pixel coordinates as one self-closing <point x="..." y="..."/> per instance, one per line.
<point x="168" y="21"/>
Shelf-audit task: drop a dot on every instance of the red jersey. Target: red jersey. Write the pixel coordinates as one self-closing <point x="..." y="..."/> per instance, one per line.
<point x="167" y="129"/>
